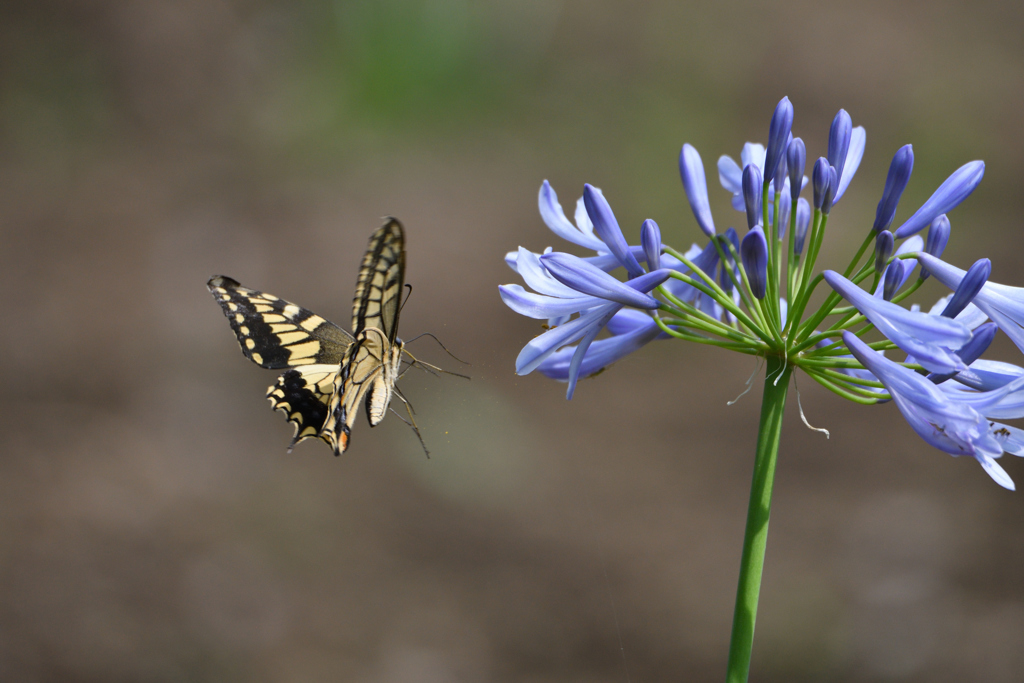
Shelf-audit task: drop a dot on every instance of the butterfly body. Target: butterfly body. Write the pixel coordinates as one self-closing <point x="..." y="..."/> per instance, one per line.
<point x="328" y="371"/>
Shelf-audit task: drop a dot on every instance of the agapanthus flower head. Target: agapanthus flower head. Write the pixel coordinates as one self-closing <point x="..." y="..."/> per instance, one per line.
<point x="899" y="175"/>
<point x="951" y="192"/>
<point x="778" y="137"/>
<point x="691" y="169"/>
<point x="752" y="194"/>
<point x="753" y="295"/>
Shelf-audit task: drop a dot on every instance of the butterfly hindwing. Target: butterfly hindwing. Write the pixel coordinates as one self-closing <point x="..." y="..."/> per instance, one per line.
<point x="381" y="277"/>
<point x="361" y="366"/>
<point x="277" y="334"/>
<point x="303" y="395"/>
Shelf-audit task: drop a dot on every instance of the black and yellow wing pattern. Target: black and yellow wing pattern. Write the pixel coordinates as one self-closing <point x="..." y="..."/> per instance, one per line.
<point x="372" y="363"/>
<point x="327" y="370"/>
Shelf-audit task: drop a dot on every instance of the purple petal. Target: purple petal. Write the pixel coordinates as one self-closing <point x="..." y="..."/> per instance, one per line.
<point x="607" y="228"/>
<point x="583" y="277"/>
<point x="542" y="346"/>
<point x="730" y="175"/>
<point x="553" y="216"/>
<point x="858" y="140"/>
<point x="691" y="168"/>
<point x="581" y="350"/>
<point x="602" y="352"/>
<point x="537" y="277"/>
<point x="543" y="307"/>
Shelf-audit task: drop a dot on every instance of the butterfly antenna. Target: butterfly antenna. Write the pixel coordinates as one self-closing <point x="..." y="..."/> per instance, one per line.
<point x="432" y="369"/>
<point x="415" y="363"/>
<point x="428" y="334"/>
<point x="407" y="295"/>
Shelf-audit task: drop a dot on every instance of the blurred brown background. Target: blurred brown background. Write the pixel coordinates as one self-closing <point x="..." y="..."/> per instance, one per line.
<point x="152" y="527"/>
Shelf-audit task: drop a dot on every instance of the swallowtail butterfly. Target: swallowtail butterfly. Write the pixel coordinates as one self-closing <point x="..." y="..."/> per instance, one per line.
<point x="328" y="371"/>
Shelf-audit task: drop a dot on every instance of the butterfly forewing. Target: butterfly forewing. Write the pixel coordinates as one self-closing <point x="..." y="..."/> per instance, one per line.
<point x="381" y="277"/>
<point x="274" y="333"/>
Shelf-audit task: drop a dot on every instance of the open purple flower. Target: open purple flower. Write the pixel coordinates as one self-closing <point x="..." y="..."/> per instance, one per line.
<point x="954" y="427"/>
<point x="630" y="331"/>
<point x="931" y="340"/>
<point x="1002" y="303"/>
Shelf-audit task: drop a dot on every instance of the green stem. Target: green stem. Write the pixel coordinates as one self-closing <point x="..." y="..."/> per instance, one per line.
<point x="776" y="385"/>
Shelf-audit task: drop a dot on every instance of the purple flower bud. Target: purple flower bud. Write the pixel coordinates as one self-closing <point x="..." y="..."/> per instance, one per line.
<point x="883" y="249"/>
<point x="982" y="339"/>
<point x="778" y="136"/>
<point x="752" y="194"/>
<point x="782" y="170"/>
<point x="691" y="168"/>
<point x="974" y="280"/>
<point x="899" y="174"/>
<point x="830" y="191"/>
<point x="820" y="178"/>
<point x="938" y="237"/>
<point x="971" y="351"/>
<point x="754" y="253"/>
<point x="803" y="222"/>
<point x="785" y="205"/>
<point x="650" y="240"/>
<point x="893" y="278"/>
<point x="796" y="159"/>
<point x="954" y="190"/>
<point x="839" y="141"/>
